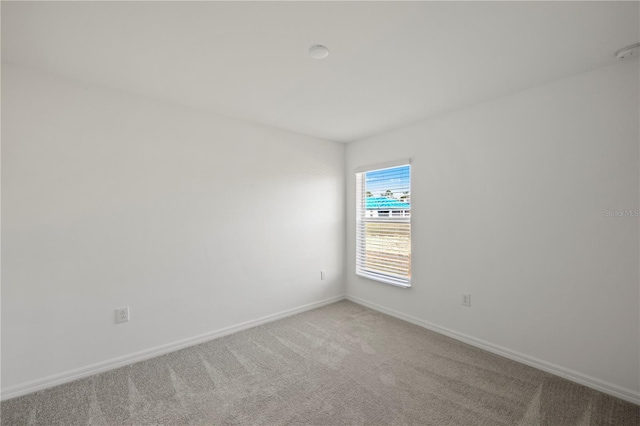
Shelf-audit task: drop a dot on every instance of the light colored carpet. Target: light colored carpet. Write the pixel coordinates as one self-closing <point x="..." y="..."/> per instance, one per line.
<point x="342" y="364"/>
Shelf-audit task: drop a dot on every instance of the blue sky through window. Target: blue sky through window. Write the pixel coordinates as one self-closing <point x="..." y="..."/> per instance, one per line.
<point x="396" y="179"/>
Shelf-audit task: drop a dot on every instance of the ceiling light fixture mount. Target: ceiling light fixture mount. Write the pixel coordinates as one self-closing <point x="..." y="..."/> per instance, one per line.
<point x="629" y="51"/>
<point x="318" y="51"/>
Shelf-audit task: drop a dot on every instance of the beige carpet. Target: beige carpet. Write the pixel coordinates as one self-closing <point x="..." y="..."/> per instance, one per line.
<point x="342" y="364"/>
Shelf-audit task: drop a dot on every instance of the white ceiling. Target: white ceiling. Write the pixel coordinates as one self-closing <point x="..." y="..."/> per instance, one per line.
<point x="391" y="63"/>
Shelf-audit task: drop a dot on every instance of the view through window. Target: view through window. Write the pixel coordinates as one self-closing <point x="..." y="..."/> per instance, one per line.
<point x="383" y="224"/>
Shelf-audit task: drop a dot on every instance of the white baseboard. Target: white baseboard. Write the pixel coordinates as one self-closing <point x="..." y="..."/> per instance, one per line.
<point x="69" y="376"/>
<point x="600" y="385"/>
<point x="100" y="367"/>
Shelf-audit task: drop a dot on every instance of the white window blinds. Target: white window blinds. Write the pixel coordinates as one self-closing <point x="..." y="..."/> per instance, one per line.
<point x="383" y="224"/>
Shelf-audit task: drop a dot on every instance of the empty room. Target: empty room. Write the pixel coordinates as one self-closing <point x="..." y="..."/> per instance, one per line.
<point x="320" y="213"/>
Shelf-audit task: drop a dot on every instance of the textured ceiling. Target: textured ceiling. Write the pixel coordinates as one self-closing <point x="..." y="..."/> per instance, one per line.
<point x="391" y="63"/>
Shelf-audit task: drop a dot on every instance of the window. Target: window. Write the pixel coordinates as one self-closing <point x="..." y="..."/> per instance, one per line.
<point x="383" y="223"/>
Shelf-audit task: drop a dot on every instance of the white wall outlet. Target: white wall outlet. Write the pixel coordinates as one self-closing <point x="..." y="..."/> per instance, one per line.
<point x="466" y="299"/>
<point x="323" y="275"/>
<point x="122" y="314"/>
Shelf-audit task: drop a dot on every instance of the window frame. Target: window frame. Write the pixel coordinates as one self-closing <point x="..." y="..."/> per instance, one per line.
<point x="362" y="218"/>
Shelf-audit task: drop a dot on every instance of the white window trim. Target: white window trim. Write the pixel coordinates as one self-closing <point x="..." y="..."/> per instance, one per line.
<point x="386" y="165"/>
<point x="397" y="282"/>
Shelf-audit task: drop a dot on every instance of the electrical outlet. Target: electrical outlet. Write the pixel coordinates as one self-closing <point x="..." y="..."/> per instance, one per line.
<point x="466" y="299"/>
<point x="323" y="275"/>
<point x="122" y="314"/>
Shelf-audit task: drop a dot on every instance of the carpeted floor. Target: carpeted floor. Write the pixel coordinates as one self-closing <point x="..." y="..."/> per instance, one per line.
<point x="342" y="364"/>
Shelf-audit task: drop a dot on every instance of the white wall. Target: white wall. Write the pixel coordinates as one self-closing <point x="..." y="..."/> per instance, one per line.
<point x="509" y="201"/>
<point x="196" y="222"/>
<point x="200" y="222"/>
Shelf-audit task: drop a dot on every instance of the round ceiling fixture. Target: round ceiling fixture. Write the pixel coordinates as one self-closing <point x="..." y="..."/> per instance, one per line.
<point x="629" y="51"/>
<point x="318" y="51"/>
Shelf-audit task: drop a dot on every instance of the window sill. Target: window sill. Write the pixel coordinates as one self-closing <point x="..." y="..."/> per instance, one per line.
<point x="385" y="280"/>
